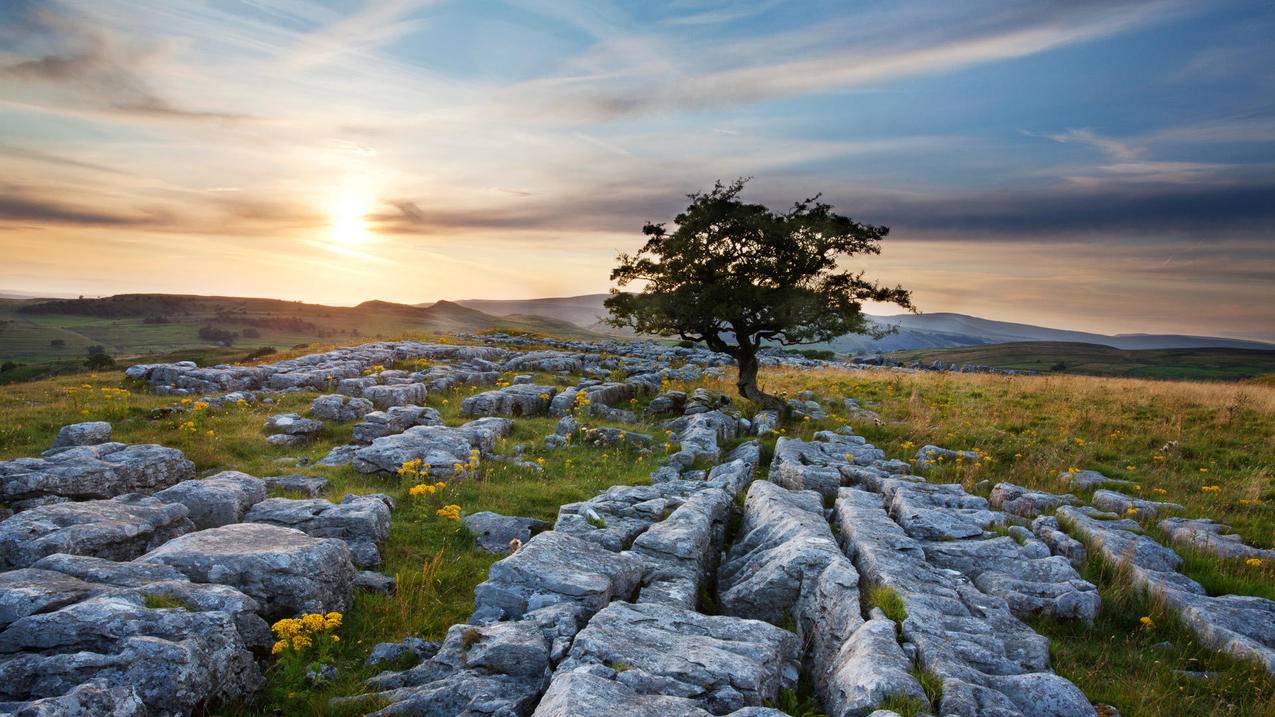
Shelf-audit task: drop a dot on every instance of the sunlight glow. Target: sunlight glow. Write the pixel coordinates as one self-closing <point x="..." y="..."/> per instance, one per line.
<point x="347" y="226"/>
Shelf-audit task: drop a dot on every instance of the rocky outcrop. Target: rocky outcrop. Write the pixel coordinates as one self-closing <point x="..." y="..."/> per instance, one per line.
<point x="1025" y="503"/>
<point x="1241" y="625"/>
<point x="218" y="500"/>
<point x="496" y="533"/>
<point x="90" y="433"/>
<point x="442" y="448"/>
<point x="336" y="407"/>
<point x="1210" y="537"/>
<point x="404" y="394"/>
<point x="1121" y="504"/>
<point x="92" y="472"/>
<point x="286" y="571"/>
<point x="681" y="551"/>
<point x="362" y="522"/>
<point x="395" y="419"/>
<point x="518" y="400"/>
<point x="118" y="529"/>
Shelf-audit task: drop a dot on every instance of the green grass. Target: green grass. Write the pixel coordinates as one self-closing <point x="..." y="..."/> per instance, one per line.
<point x="1032" y="427"/>
<point x="1098" y="360"/>
<point x="889" y="601"/>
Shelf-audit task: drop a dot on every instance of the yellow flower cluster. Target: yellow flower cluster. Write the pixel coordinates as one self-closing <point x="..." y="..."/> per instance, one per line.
<point x="1147" y="622"/>
<point x="110" y="393"/>
<point x="373" y="369"/>
<point x="1211" y="488"/>
<point x="298" y="633"/>
<point x="200" y="405"/>
<point x="1254" y="562"/>
<point x="421" y="489"/>
<point x="188" y="426"/>
<point x="450" y="512"/>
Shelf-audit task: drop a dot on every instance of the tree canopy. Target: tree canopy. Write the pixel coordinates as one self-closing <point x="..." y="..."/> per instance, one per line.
<point x="737" y="276"/>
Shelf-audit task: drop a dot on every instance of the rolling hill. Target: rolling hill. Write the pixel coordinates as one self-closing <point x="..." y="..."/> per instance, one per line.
<point x="142" y="324"/>
<point x="1218" y="363"/>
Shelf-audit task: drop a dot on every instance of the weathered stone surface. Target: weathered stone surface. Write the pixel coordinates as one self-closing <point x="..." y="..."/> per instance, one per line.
<point x="928" y="455"/>
<point x="88" y="472"/>
<point x="824" y="464"/>
<point x="291" y="424"/>
<point x="1088" y="480"/>
<point x="89" y="433"/>
<point x="723" y="663"/>
<point x="373" y="581"/>
<point x="991" y="664"/>
<point x="310" y="486"/>
<point x="495" y="532"/>
<point x="615" y="517"/>
<point x="1029" y="579"/>
<point x="553" y="568"/>
<point x="87" y="700"/>
<point x="408" y="648"/>
<point x="1237" y="624"/>
<point x="336" y="407"/>
<point x="363" y="522"/>
<point x="681" y="551"/>
<point x="404" y="394"/>
<point x="784" y="543"/>
<point x="1214" y="538"/>
<point x="697" y="435"/>
<point x="117" y="529"/>
<point x="1025" y="503"/>
<point x="517" y="400"/>
<point x="1050" y="533"/>
<point x="394" y="419"/>
<point x="440" y="447"/>
<point x="285" y="570"/>
<point x="607" y="436"/>
<point x="765" y="423"/>
<point x="218" y="500"/>
<point x="172" y="659"/>
<point x="929" y="511"/>
<point x="1121" y="504"/>
<point x="586" y="693"/>
<point x="869" y="668"/>
<point x="669" y="402"/>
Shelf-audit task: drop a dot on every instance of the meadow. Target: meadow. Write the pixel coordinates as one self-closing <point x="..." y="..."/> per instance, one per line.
<point x="1208" y="446"/>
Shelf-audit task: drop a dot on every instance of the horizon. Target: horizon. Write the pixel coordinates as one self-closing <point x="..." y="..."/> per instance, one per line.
<point x="1094" y="166"/>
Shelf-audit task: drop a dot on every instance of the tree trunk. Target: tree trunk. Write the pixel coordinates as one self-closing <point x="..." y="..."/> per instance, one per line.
<point x="747" y="383"/>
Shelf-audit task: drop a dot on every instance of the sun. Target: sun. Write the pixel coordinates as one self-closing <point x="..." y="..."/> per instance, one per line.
<point x="347" y="226"/>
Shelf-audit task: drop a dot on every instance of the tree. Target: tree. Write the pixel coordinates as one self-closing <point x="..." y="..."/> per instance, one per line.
<point x="737" y="276"/>
<point x="98" y="358"/>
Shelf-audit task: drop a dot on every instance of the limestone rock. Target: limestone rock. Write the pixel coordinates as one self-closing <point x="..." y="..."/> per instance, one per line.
<point x="117" y="529"/>
<point x="1121" y="504"/>
<point x="89" y="433"/>
<point x="407" y="394"/>
<point x="336" y="407"/>
<point x="495" y="532"/>
<point x="1026" y="503"/>
<point x="363" y="522"/>
<point x="285" y="570"/>
<point x="310" y="486"/>
<point x="93" y="472"/>
<point x="517" y="400"/>
<point x="291" y="424"/>
<point x="1214" y="538"/>
<point x="218" y="500"/>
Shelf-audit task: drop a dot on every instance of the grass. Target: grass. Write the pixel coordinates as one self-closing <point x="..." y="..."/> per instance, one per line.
<point x="1159" y="434"/>
<point x="889" y="601"/>
<point x="1096" y="360"/>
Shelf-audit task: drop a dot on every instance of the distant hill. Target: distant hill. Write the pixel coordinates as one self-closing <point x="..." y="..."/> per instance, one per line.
<point x="915" y="331"/>
<point x="1217" y="363"/>
<point x="140" y="324"/>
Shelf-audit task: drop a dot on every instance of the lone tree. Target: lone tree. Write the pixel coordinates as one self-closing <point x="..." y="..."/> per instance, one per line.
<point x="736" y="275"/>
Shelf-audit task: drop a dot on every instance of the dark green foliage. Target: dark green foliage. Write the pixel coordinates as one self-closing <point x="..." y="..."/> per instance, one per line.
<point x="736" y="276"/>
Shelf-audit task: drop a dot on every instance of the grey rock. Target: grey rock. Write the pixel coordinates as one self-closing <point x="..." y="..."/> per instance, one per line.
<point x="89" y="433"/>
<point x="681" y="551"/>
<point x="1121" y="504"/>
<point x="1213" y="538"/>
<point x="1089" y="480"/>
<point x="1025" y="503"/>
<point x="91" y="699"/>
<point x="515" y="401"/>
<point x="406" y="394"/>
<point x="286" y="571"/>
<point x="567" y="426"/>
<point x="1046" y="528"/>
<point x="117" y="529"/>
<point x="584" y="693"/>
<point x="928" y="455"/>
<point x="338" y="456"/>
<point x="394" y="419"/>
<point x="218" y="500"/>
<point x="441" y="447"/>
<point x="291" y="424"/>
<point x="495" y="532"/>
<point x="336" y="407"/>
<point x="722" y="663"/>
<point x="375" y="582"/>
<point x="310" y="486"/>
<point x="93" y="472"/>
<point x="413" y="648"/>
<point x="553" y="568"/>
<point x="606" y="436"/>
<point x="363" y="522"/>
<point x="870" y="667"/>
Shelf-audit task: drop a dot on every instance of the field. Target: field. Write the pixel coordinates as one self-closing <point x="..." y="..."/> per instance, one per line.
<point x="1095" y="360"/>
<point x="44" y="337"/>
<point x="1172" y="438"/>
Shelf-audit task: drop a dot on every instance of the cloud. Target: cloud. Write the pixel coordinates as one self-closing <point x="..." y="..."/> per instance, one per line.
<point x="1112" y="147"/>
<point x="23" y="210"/>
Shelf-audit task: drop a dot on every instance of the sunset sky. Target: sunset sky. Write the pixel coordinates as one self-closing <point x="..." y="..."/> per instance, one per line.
<point x="1104" y="165"/>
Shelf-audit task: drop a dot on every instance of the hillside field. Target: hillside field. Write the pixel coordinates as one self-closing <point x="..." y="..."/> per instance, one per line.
<point x="1172" y="438"/>
<point x="1226" y="364"/>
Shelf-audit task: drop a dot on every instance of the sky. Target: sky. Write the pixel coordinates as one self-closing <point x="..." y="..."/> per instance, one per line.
<point x="1105" y="166"/>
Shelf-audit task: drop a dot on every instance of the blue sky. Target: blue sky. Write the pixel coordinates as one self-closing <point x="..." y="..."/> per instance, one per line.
<point x="1095" y="165"/>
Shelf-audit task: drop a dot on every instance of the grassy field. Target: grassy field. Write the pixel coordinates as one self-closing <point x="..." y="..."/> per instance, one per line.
<point x="1173" y="438"/>
<point x="42" y="335"/>
<point x="1095" y="360"/>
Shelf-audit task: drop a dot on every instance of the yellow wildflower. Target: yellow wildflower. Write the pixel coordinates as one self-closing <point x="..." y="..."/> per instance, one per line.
<point x="1147" y="621"/>
<point x="1255" y="562"/>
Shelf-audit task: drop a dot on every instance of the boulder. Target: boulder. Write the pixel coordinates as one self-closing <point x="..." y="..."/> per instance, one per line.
<point x="586" y="693"/>
<point x="291" y="424"/>
<point x="363" y="522"/>
<point x="86" y="700"/>
<point x="118" y="529"/>
<point x="394" y="419"/>
<point x="1213" y="538"/>
<point x="406" y="394"/>
<point x="309" y="486"/>
<point x="336" y="407"/>
<point x="494" y="532"/>
<point x="1121" y="504"/>
<point x="722" y="663"/>
<point x="94" y="472"/>
<point x="217" y="500"/>
<point x="1025" y="503"/>
<point x="1089" y="480"/>
<point x="442" y="448"/>
<point x="525" y="399"/>
<point x="89" y="433"/>
<point x="286" y="571"/>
